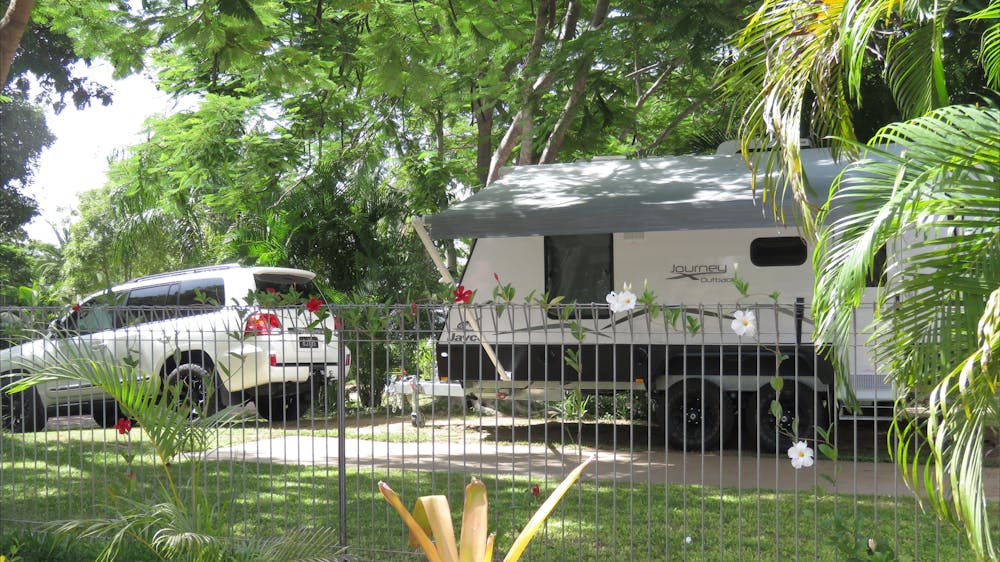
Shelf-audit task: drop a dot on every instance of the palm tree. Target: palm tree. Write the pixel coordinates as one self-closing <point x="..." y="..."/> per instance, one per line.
<point x="930" y="184"/>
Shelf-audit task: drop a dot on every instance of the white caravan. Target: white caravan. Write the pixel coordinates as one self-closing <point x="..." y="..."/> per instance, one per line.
<point x="678" y="227"/>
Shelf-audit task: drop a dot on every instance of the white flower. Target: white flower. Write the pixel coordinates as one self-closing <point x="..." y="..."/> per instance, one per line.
<point x="801" y="455"/>
<point x="620" y="302"/>
<point x="744" y="323"/>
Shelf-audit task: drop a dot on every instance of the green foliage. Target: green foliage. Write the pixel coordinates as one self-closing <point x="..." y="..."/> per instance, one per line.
<point x="18" y="268"/>
<point x="316" y="134"/>
<point x="936" y="336"/>
<point x="182" y="521"/>
<point x="926" y="191"/>
<point x="849" y="537"/>
<point x="575" y="406"/>
<point x="23" y="137"/>
<point x="105" y="249"/>
<point x="632" y="517"/>
<point x="29" y="546"/>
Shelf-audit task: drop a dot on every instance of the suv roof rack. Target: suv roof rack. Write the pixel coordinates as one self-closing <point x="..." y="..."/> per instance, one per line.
<point x="183" y="271"/>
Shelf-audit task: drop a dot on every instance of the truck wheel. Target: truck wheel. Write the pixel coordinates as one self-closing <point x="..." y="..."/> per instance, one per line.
<point x="106" y="413"/>
<point x="777" y="434"/>
<point x="284" y="407"/>
<point x="22" y="412"/>
<point x="695" y="415"/>
<point x="187" y="385"/>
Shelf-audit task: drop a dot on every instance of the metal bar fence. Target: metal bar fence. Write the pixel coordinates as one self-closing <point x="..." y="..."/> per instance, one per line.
<point x="691" y="425"/>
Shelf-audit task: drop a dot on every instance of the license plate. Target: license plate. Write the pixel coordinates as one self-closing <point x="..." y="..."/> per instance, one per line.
<point x="309" y="343"/>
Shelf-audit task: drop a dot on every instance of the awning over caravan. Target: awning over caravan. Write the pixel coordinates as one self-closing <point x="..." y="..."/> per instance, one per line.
<point x="676" y="193"/>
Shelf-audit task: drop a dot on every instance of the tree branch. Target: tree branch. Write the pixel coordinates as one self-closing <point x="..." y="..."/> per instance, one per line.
<point x="558" y="135"/>
<point x="677" y="121"/>
<point x="12" y="27"/>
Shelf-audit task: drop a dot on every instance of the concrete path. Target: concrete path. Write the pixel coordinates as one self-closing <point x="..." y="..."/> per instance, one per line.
<point x="729" y="470"/>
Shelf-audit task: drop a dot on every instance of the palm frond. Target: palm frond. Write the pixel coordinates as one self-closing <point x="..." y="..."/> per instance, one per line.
<point x="786" y="50"/>
<point x="990" y="54"/>
<point x="915" y="70"/>
<point x="931" y="195"/>
<point x="303" y="545"/>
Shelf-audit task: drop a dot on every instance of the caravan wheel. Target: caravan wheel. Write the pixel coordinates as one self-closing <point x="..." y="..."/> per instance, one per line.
<point x="776" y="434"/>
<point x="696" y="415"/>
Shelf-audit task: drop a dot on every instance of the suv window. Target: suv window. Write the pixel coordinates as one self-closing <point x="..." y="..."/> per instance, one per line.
<point x="150" y="304"/>
<point x="282" y="284"/>
<point x="96" y="315"/>
<point x="579" y="268"/>
<point x="199" y="295"/>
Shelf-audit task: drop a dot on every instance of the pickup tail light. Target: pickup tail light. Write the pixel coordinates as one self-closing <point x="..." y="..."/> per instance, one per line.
<point x="262" y="324"/>
<point x="338" y="323"/>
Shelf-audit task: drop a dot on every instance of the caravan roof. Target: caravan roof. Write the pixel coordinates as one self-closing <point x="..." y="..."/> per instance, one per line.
<point x="600" y="196"/>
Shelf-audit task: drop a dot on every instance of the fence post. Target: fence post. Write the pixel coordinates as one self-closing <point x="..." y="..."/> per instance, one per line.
<point x="341" y="440"/>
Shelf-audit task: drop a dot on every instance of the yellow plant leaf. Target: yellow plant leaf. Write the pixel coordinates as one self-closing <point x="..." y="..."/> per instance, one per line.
<point x="416" y="531"/>
<point x="475" y="518"/>
<point x="488" y="557"/>
<point x="434" y="513"/>
<point x="522" y="540"/>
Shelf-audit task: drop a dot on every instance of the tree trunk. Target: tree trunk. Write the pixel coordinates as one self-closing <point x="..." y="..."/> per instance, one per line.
<point x="484" y="138"/>
<point x="513" y="134"/>
<point x="12" y="27"/>
<point x="558" y="135"/>
<point x="527" y="155"/>
<point x="506" y="147"/>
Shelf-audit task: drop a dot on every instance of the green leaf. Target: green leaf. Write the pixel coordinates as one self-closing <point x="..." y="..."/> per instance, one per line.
<point x="741" y="285"/>
<point x="776" y="409"/>
<point x="827" y="451"/>
<point x="777" y="383"/>
<point x="693" y="325"/>
<point x="573" y="359"/>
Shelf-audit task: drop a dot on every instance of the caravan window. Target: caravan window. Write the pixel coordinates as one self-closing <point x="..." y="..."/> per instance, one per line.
<point x="579" y="267"/>
<point x="778" y="251"/>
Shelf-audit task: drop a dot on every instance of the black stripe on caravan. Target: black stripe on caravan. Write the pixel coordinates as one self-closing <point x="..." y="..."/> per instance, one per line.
<point x="626" y="363"/>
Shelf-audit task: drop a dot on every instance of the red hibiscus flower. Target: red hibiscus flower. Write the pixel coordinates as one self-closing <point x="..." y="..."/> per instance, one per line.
<point x="413" y="308"/>
<point x="76" y="307"/>
<point x="314" y="304"/>
<point x="535" y="491"/>
<point x="271" y="290"/>
<point x="124" y="425"/>
<point x="462" y="294"/>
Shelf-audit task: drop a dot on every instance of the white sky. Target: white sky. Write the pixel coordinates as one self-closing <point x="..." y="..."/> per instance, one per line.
<point x="78" y="160"/>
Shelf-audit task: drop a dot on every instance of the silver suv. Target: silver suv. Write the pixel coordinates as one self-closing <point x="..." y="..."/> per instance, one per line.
<point x="225" y="334"/>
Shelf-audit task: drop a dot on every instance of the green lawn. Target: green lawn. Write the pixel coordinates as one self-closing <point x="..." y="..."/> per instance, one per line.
<point x="71" y="474"/>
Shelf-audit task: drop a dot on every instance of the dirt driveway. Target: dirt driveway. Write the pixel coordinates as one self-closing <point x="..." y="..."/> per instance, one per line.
<point x="497" y="444"/>
<point x="490" y="445"/>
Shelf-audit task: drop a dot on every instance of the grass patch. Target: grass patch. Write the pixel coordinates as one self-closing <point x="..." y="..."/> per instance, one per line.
<point x="22" y="545"/>
<point x="71" y="477"/>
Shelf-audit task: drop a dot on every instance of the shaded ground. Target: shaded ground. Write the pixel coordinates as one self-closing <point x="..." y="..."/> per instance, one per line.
<point x="863" y="440"/>
<point x="497" y="444"/>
